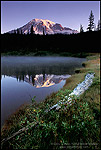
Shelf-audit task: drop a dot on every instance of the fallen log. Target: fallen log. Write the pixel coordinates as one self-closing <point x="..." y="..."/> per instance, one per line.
<point x="80" y="89"/>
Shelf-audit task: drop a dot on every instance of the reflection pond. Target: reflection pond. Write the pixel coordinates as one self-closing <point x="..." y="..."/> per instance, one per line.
<point x="24" y="77"/>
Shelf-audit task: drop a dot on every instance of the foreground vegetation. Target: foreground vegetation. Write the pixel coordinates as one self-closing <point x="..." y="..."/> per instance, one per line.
<point x="76" y="126"/>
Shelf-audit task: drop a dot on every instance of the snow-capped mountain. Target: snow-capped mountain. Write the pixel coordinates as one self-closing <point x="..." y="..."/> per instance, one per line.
<point x="48" y="26"/>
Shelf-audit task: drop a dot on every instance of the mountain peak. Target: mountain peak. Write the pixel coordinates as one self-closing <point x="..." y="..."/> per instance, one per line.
<point x="49" y="26"/>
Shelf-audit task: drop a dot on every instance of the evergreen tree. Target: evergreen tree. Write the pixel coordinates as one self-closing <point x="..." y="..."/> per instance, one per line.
<point x="99" y="25"/>
<point x="81" y="28"/>
<point x="43" y="31"/>
<point x="14" y="32"/>
<point x="91" y="22"/>
<point x="17" y="31"/>
<point x="28" y="32"/>
<point x="31" y="30"/>
<point x="21" y="31"/>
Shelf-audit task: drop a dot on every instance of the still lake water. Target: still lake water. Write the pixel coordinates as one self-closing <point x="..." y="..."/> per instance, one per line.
<point x="24" y="77"/>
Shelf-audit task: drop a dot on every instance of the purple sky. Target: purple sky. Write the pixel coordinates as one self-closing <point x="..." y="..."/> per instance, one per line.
<point x="15" y="14"/>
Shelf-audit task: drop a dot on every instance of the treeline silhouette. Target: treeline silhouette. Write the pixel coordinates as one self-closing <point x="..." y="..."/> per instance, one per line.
<point x="24" y="44"/>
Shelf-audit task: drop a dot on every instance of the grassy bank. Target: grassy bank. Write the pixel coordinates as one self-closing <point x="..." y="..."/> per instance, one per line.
<point x="44" y="53"/>
<point x="65" y="128"/>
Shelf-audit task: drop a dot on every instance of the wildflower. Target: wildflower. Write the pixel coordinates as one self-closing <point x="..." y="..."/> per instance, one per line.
<point x="80" y="106"/>
<point x="42" y="121"/>
<point x="34" y="110"/>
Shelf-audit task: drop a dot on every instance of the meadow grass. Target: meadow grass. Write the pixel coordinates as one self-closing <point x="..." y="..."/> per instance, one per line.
<point x="78" y="123"/>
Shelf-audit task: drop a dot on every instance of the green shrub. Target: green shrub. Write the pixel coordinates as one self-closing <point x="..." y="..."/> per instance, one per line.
<point x="70" y="124"/>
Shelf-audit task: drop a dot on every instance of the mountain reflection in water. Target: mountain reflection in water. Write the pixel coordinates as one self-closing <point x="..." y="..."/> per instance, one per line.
<point x="39" y="71"/>
<point x="42" y="80"/>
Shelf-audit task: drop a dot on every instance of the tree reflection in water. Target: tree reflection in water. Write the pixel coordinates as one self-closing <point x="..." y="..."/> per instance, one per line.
<point x="39" y="71"/>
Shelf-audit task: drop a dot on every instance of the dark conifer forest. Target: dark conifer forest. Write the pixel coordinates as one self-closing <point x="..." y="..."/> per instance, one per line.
<point x="31" y="43"/>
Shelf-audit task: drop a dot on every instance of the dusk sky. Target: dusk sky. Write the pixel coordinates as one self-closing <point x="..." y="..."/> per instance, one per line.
<point x="15" y="14"/>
